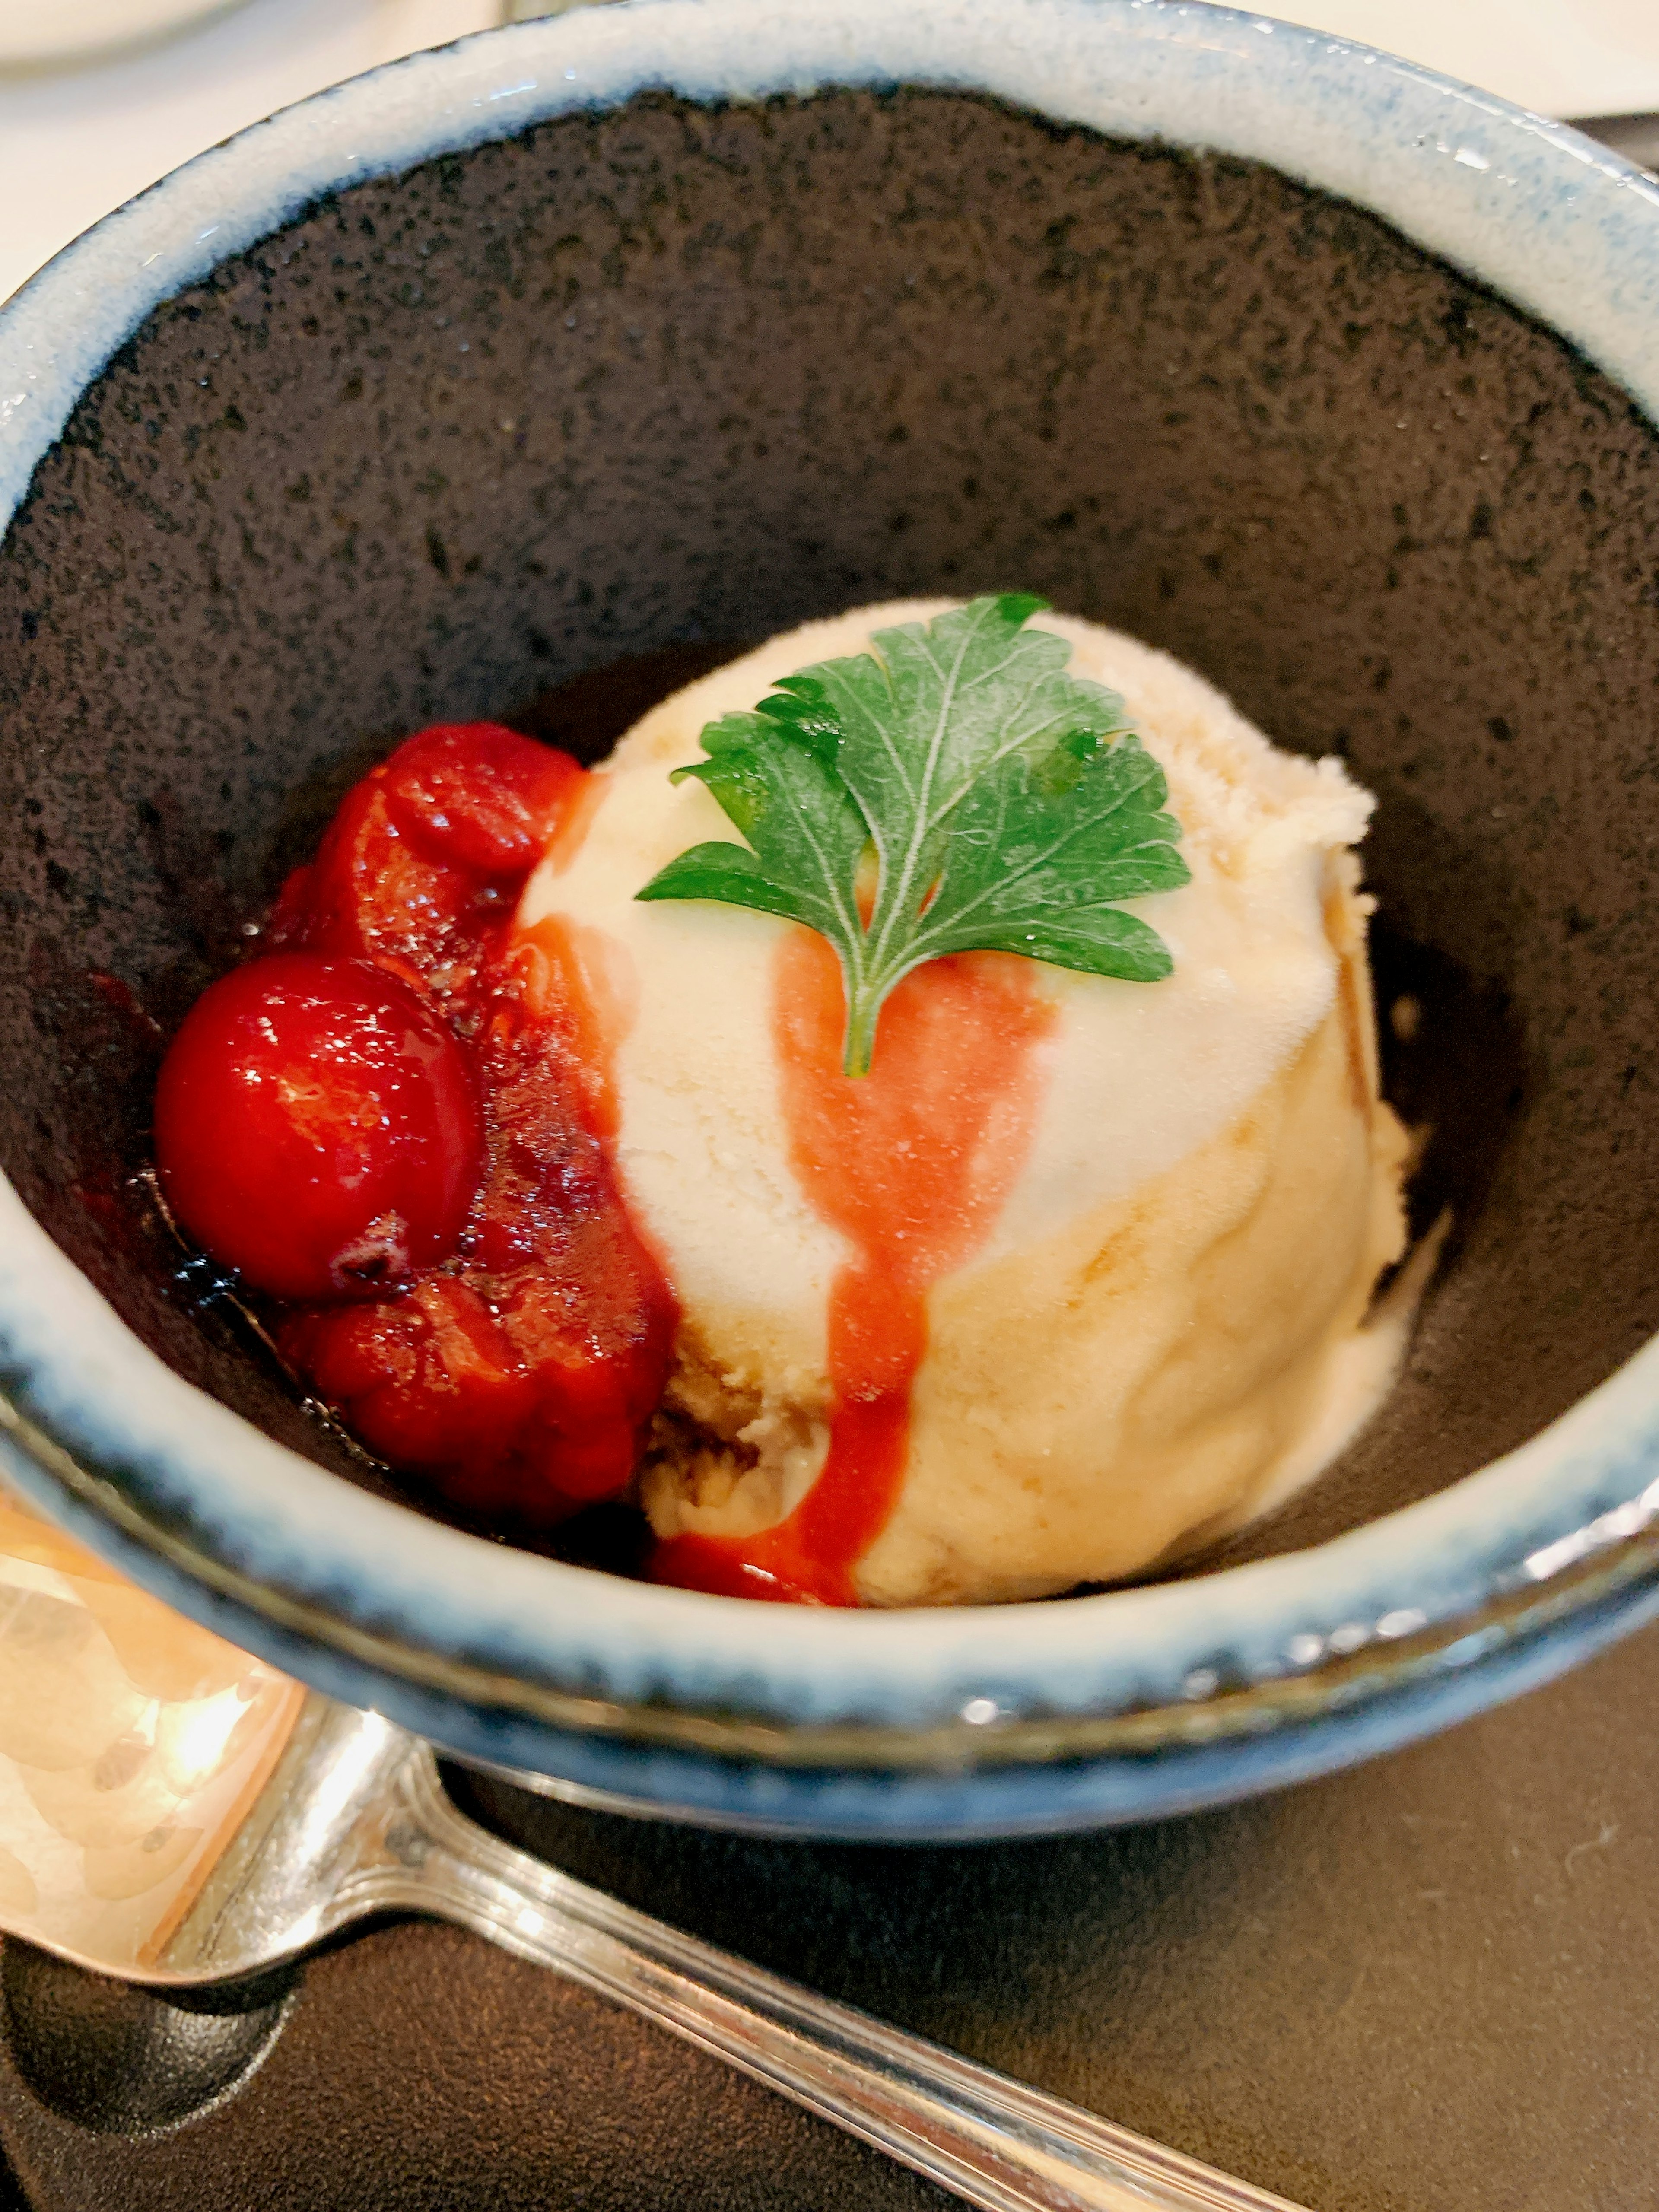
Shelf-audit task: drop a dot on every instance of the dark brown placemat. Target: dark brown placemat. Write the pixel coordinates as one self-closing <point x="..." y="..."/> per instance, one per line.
<point x="1427" y="1983"/>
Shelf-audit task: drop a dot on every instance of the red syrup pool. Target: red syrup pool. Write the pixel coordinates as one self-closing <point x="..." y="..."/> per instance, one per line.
<point x="397" y="1122"/>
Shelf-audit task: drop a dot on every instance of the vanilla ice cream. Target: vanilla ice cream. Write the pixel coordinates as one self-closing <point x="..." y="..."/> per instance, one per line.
<point x="1160" y="1325"/>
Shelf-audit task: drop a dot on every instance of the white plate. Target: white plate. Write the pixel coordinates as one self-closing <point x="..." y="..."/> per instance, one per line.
<point x="1561" y="57"/>
<point x="67" y="29"/>
<point x="75" y="143"/>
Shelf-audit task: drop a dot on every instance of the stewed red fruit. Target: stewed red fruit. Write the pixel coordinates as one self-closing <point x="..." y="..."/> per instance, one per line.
<point x="426" y="857"/>
<point x="318" y="1127"/>
<point x="516" y="1340"/>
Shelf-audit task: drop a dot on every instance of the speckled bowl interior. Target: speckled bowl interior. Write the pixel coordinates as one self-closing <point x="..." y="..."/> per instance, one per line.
<point x="645" y="382"/>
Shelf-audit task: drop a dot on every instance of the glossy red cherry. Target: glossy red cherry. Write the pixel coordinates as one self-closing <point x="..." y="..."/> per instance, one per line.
<point x="517" y="1381"/>
<point x="318" y="1127"/>
<point x="430" y="851"/>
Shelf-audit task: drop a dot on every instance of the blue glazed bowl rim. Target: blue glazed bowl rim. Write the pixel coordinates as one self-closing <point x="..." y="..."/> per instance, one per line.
<point x="205" y="1509"/>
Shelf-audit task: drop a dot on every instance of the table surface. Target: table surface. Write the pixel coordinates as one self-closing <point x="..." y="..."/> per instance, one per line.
<point x="1428" y="1984"/>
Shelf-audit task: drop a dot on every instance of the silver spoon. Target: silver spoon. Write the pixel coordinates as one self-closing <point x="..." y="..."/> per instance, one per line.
<point x="172" y="1811"/>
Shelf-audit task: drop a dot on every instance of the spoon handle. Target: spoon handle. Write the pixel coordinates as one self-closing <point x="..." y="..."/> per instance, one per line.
<point x="989" y="2139"/>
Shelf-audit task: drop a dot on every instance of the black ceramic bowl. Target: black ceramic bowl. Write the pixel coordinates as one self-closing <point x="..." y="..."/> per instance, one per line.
<point x="526" y="380"/>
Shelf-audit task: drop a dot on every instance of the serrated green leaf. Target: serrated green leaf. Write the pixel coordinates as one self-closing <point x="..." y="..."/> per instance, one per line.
<point x="805" y="835"/>
<point x="1023" y="853"/>
<point x="732" y="876"/>
<point x="1008" y="806"/>
<point x="1098" y="940"/>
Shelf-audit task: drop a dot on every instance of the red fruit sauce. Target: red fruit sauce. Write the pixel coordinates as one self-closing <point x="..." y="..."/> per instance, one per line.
<point x="400" y="1115"/>
<point x="912" y="1162"/>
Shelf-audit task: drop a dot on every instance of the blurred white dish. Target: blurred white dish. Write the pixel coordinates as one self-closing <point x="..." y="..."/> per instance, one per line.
<point x="70" y="28"/>
<point x="1558" y="56"/>
<point x="75" y="143"/>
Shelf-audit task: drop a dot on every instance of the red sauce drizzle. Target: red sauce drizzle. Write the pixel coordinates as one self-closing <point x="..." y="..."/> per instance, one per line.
<point x="516" y="1376"/>
<point x="912" y="1162"/>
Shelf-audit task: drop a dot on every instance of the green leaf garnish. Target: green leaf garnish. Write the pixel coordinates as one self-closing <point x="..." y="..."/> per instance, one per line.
<point x="1006" y="806"/>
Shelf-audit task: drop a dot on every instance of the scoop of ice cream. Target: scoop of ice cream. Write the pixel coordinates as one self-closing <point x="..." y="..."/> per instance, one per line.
<point x="1153" y="1327"/>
